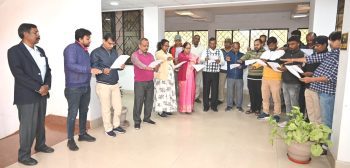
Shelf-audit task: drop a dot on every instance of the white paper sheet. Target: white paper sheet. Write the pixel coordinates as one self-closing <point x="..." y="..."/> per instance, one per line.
<point x="179" y="64"/>
<point x="248" y="62"/>
<point x="224" y="67"/>
<point x="234" y="66"/>
<point x="119" y="61"/>
<point x="259" y="61"/>
<point x="211" y="61"/>
<point x="292" y="70"/>
<point x="307" y="52"/>
<point x="297" y="68"/>
<point x="272" y="55"/>
<point x="274" y="66"/>
<point x="198" y="67"/>
<point x="154" y="63"/>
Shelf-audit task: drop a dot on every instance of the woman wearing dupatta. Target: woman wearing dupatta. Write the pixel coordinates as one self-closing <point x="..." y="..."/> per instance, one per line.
<point x="164" y="83"/>
<point x="187" y="80"/>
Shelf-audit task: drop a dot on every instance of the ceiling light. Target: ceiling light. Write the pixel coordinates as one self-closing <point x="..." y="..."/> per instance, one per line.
<point x="114" y="3"/>
<point x="299" y="15"/>
<point x="184" y="13"/>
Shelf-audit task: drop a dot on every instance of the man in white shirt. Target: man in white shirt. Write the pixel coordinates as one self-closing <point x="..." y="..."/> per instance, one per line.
<point x="197" y="50"/>
<point x="213" y="59"/>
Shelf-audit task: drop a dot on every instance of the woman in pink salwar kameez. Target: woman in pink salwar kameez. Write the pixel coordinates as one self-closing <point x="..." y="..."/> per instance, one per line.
<point x="187" y="80"/>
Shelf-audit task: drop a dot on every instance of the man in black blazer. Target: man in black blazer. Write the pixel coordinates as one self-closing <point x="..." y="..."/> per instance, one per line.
<point x="29" y="66"/>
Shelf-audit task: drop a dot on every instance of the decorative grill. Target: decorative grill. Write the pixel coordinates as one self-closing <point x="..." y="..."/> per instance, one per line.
<point x="186" y="36"/>
<point x="127" y="27"/>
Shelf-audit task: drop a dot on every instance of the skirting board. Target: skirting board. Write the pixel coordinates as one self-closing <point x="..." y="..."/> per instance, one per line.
<point x="336" y="163"/>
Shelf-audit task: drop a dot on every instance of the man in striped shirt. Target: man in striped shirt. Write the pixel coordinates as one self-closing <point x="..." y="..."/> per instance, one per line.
<point x="213" y="59"/>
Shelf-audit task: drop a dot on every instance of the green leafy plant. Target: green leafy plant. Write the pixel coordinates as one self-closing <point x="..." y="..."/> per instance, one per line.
<point x="298" y="130"/>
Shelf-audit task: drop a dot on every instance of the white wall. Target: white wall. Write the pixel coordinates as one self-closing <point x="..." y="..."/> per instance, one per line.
<point x="238" y="21"/>
<point x="56" y="20"/>
<point x="341" y="118"/>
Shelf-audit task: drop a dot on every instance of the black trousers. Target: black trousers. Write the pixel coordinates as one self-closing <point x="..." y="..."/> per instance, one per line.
<point x="32" y="125"/>
<point x="254" y="87"/>
<point x="302" y="103"/>
<point x="143" y="95"/>
<point x="210" y="86"/>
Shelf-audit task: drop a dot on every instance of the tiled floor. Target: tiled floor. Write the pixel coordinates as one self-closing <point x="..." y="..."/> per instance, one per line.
<point x="199" y="140"/>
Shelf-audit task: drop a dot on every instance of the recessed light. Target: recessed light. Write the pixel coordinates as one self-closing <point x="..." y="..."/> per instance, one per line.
<point x="299" y="15"/>
<point x="114" y="3"/>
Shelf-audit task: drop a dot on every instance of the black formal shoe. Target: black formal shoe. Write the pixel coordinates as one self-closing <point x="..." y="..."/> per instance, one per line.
<point x="206" y="109"/>
<point x="215" y="109"/>
<point x="198" y="101"/>
<point x="71" y="145"/>
<point x="137" y="126"/>
<point x="86" y="137"/>
<point x="45" y="149"/>
<point x="120" y="130"/>
<point x="162" y="115"/>
<point x="149" y="121"/>
<point x="240" y="109"/>
<point x="29" y="161"/>
<point x="168" y="113"/>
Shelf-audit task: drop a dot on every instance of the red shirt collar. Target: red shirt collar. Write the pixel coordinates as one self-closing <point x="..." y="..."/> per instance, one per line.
<point x="82" y="46"/>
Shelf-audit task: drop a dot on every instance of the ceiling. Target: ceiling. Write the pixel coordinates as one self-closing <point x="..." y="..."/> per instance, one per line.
<point x="241" y="9"/>
<point x="189" y="4"/>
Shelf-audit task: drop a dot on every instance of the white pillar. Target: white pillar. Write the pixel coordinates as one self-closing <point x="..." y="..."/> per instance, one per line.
<point x="154" y="23"/>
<point x="341" y="118"/>
<point x="322" y="18"/>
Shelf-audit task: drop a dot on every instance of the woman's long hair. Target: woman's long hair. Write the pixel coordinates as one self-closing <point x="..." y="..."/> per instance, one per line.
<point x="161" y="44"/>
<point x="184" y="46"/>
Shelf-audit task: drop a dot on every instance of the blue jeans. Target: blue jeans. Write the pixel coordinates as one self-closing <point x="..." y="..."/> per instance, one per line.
<point x="78" y="100"/>
<point x="327" y="108"/>
<point x="234" y="91"/>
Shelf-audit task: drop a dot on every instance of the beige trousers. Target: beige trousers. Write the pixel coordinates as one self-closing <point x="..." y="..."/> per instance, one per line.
<point x="109" y="96"/>
<point x="268" y="88"/>
<point x="313" y="106"/>
<point x="222" y="81"/>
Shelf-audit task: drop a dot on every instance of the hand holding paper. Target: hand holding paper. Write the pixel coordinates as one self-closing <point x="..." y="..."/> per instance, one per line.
<point x="119" y="62"/>
<point x="198" y="67"/>
<point x="179" y="64"/>
<point x="155" y="63"/>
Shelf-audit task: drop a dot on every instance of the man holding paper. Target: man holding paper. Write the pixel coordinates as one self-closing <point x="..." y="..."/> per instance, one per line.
<point x="271" y="80"/>
<point x="254" y="77"/>
<point x="291" y="83"/>
<point x="213" y="59"/>
<point x="223" y="70"/>
<point x="234" y="79"/>
<point x="143" y="85"/>
<point x="107" y="87"/>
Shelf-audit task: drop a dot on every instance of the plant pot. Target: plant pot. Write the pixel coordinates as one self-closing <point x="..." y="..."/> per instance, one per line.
<point x="299" y="153"/>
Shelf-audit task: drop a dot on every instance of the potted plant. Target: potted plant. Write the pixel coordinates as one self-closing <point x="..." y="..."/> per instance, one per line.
<point x="303" y="138"/>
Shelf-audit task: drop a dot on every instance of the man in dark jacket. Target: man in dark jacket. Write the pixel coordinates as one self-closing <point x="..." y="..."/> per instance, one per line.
<point x="30" y="68"/>
<point x="107" y="87"/>
<point x="234" y="78"/>
<point x="77" y="92"/>
<point x="291" y="83"/>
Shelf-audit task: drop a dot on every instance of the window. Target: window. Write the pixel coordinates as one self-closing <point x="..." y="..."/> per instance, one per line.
<point x="186" y="36"/>
<point x="127" y="27"/>
<point x="304" y="32"/>
<point x="246" y="37"/>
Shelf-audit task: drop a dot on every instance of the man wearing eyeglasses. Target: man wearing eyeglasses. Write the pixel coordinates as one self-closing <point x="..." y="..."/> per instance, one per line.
<point x="107" y="87"/>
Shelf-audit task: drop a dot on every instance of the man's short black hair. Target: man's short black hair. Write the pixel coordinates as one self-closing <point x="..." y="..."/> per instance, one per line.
<point x="296" y="33"/>
<point x="294" y="38"/>
<point x="80" y="33"/>
<point x="260" y="41"/>
<point x="263" y="35"/>
<point x="212" y="39"/>
<point x="25" y="27"/>
<point x="336" y="35"/>
<point x="109" y="36"/>
<point x="271" y="40"/>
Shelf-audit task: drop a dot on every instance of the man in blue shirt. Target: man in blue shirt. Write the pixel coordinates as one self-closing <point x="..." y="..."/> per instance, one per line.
<point x="77" y="92"/>
<point x="234" y="78"/>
